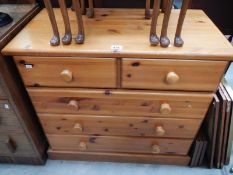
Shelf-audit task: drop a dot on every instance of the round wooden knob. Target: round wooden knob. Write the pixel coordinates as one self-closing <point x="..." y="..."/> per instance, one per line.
<point x="73" y="104"/>
<point x="165" y="108"/>
<point x="172" y="78"/>
<point x="159" y="130"/>
<point x="78" y="126"/>
<point x="66" y="75"/>
<point x="82" y="146"/>
<point x="155" y="149"/>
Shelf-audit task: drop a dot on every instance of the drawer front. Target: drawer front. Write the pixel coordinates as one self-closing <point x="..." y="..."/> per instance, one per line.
<point x="119" y="144"/>
<point x="119" y="126"/>
<point x="68" y="72"/>
<point x="15" y="145"/>
<point x="120" y="157"/>
<point x="2" y="93"/>
<point x="8" y="119"/>
<point x="172" y="74"/>
<point x="118" y="102"/>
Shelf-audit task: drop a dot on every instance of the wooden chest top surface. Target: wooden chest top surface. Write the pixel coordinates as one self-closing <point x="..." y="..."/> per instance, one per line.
<point x="127" y="28"/>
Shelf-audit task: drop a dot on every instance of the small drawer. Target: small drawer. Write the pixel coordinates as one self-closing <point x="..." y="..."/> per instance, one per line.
<point x="120" y="102"/>
<point x="172" y="74"/>
<point x="67" y="72"/>
<point x="8" y="119"/>
<point x="15" y="145"/>
<point x="119" y="144"/>
<point x="2" y="92"/>
<point x="119" y="126"/>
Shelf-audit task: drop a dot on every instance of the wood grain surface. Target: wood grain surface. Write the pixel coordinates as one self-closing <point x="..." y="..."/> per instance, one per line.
<point x="128" y="28"/>
<point x="26" y="144"/>
<point x="119" y="144"/>
<point x="8" y="120"/>
<point x="23" y="148"/>
<point x="2" y="92"/>
<point x="84" y="72"/>
<point x="119" y="157"/>
<point x="118" y="126"/>
<point x="119" y="102"/>
<point x="152" y="74"/>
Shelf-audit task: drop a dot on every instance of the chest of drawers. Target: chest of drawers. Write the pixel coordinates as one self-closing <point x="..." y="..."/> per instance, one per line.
<point x="137" y="104"/>
<point x="21" y="138"/>
<point x="2" y="93"/>
<point x="16" y="145"/>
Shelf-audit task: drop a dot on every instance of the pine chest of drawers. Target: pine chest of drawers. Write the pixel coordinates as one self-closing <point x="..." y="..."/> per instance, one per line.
<point x="134" y="104"/>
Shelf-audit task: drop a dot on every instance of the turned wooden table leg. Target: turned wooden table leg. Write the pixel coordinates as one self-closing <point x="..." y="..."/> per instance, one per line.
<point x="164" y="40"/>
<point x="56" y="38"/>
<point x="154" y="40"/>
<point x="80" y="36"/>
<point x="83" y="7"/>
<point x="68" y="36"/>
<point x="147" y="10"/>
<point x="72" y="6"/>
<point x="164" y="4"/>
<point x="178" y="41"/>
<point x="90" y="12"/>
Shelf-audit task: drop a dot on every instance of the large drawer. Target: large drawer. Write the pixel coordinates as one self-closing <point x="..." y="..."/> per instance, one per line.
<point x="120" y="102"/>
<point x="119" y="157"/>
<point x="15" y="145"/>
<point x="119" y="126"/>
<point x="8" y="119"/>
<point x="2" y="92"/>
<point x="172" y="74"/>
<point x="119" y="144"/>
<point x="67" y="72"/>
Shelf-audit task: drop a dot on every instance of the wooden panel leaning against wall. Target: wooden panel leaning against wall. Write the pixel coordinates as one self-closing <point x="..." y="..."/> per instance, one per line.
<point x="21" y="137"/>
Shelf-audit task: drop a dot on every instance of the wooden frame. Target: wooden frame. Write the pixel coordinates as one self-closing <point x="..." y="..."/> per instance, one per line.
<point x="19" y="101"/>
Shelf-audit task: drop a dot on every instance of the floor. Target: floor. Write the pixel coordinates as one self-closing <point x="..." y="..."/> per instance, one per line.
<point x="229" y="75"/>
<point x="96" y="168"/>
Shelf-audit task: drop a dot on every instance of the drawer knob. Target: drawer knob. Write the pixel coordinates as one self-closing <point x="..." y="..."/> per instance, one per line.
<point x="78" y="126"/>
<point x="159" y="130"/>
<point x="82" y="146"/>
<point x="165" y="108"/>
<point x="172" y="78"/>
<point x="155" y="149"/>
<point x="66" y="75"/>
<point x="10" y="145"/>
<point x="73" y="104"/>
